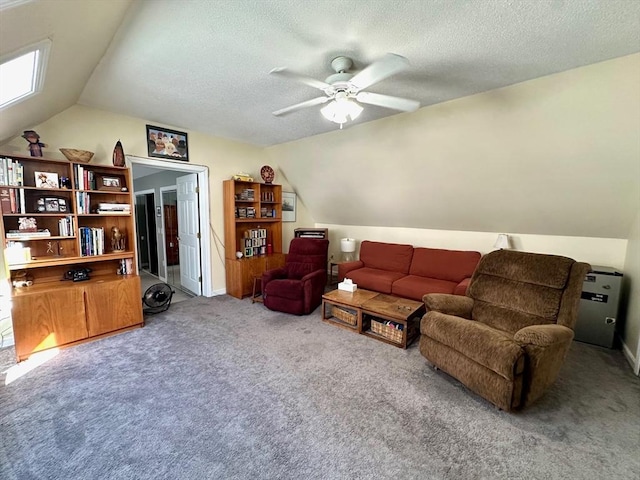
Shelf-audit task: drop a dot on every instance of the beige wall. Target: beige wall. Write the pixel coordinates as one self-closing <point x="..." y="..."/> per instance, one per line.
<point x="98" y="130"/>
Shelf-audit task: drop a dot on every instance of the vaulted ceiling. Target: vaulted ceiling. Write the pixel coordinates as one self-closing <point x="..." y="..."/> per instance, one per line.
<point x="204" y="65"/>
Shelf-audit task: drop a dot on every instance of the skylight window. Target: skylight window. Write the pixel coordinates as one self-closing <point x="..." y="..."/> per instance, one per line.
<point x="22" y="73"/>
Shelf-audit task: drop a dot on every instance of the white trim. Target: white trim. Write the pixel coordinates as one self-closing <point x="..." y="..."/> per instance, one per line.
<point x="633" y="361"/>
<point x="203" y="200"/>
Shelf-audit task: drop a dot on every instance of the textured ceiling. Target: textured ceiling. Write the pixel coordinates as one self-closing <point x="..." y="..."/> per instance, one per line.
<point x="204" y="65"/>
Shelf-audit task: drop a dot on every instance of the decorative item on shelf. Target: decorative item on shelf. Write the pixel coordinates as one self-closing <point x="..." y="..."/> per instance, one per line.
<point x="53" y="248"/>
<point x="35" y="146"/>
<point x="22" y="278"/>
<point x="16" y="253"/>
<point x="75" y="155"/>
<point x="347" y="247"/>
<point x="117" y="240"/>
<point x="118" y="155"/>
<point x="267" y="174"/>
<point x="239" y="255"/>
<point x="242" y="177"/>
<point x="27" y="224"/>
<point x="502" y="242"/>
<point x="46" y="180"/>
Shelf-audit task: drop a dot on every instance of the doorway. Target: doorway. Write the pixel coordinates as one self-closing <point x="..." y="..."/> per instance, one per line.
<point x="146" y="231"/>
<point x="160" y="176"/>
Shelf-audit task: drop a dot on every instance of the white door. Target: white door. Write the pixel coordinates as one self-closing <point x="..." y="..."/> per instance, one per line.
<point x="188" y="233"/>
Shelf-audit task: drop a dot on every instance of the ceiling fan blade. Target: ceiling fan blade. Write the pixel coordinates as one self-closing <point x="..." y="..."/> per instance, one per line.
<point x="312" y="82"/>
<point x="300" y="106"/>
<point x="379" y="70"/>
<point x="388" y="101"/>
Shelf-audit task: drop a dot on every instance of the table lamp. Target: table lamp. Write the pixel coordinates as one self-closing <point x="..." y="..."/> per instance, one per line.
<point x="347" y="247"/>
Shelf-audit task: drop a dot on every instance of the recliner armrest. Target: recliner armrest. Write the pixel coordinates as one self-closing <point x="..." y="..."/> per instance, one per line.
<point x="346" y="267"/>
<point x="314" y="274"/>
<point x="543" y="335"/>
<point x="273" y="274"/>
<point x="455" y="305"/>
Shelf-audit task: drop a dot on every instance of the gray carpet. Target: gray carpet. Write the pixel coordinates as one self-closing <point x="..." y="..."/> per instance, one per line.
<point x="224" y="389"/>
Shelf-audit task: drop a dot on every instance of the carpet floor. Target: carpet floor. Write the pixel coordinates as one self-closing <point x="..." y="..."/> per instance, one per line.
<point x="220" y="388"/>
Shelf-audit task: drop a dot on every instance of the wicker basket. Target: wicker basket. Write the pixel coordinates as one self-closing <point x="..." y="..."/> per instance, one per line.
<point x="386" y="331"/>
<point x="344" y="315"/>
<point x="74" y="155"/>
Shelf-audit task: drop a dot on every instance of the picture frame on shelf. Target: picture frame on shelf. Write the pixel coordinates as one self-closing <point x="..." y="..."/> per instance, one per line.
<point x="46" y="180"/>
<point x="112" y="183"/>
<point x="289" y="206"/>
<point x="165" y="143"/>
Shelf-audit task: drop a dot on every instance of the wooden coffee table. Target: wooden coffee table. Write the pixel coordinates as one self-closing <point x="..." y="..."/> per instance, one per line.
<point x="390" y="319"/>
<point x="343" y="309"/>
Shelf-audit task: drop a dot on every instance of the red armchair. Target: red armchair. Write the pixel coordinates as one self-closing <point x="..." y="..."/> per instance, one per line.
<point x="298" y="286"/>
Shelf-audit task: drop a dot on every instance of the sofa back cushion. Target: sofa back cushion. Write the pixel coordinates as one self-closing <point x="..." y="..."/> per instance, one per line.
<point x="392" y="257"/>
<point x="512" y="290"/>
<point x="450" y="265"/>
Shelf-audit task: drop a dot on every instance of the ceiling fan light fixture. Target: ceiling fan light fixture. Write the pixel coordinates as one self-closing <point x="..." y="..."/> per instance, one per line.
<point x="341" y="110"/>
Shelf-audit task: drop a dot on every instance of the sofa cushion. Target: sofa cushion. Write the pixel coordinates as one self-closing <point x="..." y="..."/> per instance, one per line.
<point x="374" y="279"/>
<point x="392" y="257"/>
<point x="451" y="265"/>
<point x="415" y="287"/>
<point x="491" y="348"/>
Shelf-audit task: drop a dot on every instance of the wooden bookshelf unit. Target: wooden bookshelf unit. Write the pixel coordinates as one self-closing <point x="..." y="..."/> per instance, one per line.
<point x="253" y="227"/>
<point x="75" y="206"/>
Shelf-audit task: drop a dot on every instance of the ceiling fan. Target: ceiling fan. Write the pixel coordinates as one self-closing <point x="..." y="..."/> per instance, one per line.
<point x="344" y="90"/>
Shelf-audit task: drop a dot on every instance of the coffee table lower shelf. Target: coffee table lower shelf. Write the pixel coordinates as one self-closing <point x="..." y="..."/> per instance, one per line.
<point x="389" y="319"/>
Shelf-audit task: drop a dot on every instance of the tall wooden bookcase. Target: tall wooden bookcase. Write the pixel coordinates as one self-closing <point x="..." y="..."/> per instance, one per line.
<point x="252" y="226"/>
<point x="75" y="207"/>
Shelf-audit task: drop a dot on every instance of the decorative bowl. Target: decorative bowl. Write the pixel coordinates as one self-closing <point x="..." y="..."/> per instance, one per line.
<point x="74" y="155"/>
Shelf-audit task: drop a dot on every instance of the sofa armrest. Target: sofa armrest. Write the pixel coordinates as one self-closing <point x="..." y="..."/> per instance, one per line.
<point x="273" y="274"/>
<point x="543" y="335"/>
<point x="461" y="288"/>
<point x="455" y="305"/>
<point x="345" y="267"/>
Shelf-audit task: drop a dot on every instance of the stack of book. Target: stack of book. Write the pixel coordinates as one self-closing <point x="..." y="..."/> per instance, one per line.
<point x="114" y="208"/>
<point x="27" y="234"/>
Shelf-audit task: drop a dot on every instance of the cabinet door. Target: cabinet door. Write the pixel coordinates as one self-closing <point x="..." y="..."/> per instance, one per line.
<point x="252" y="268"/>
<point x="46" y="320"/>
<point x="113" y="305"/>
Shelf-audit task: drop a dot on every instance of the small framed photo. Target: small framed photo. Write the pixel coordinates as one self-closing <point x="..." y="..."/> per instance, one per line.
<point x="248" y="252"/>
<point x="109" y="182"/>
<point x="51" y="205"/>
<point x="165" y="143"/>
<point x="46" y="180"/>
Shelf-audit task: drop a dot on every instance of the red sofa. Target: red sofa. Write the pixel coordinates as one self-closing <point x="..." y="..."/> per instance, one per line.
<point x="410" y="272"/>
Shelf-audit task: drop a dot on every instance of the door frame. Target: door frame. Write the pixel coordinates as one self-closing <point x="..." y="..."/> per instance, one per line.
<point x="204" y="211"/>
<point x="166" y="188"/>
<point x="135" y="223"/>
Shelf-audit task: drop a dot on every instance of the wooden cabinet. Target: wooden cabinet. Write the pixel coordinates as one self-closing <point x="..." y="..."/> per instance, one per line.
<point x="253" y="227"/>
<point x="83" y="220"/>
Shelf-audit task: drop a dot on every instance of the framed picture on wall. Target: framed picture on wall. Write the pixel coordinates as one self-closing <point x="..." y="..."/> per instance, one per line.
<point x="165" y="143"/>
<point x="288" y="207"/>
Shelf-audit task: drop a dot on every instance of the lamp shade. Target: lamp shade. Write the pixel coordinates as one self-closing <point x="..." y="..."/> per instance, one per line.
<point x="347" y="245"/>
<point x="502" y="241"/>
<point x="341" y="109"/>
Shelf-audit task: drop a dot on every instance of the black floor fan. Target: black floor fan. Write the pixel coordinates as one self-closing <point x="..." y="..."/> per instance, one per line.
<point x="157" y="298"/>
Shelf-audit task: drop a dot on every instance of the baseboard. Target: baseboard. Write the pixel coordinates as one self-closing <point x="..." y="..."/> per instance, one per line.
<point x="631" y="358"/>
<point x="220" y="291"/>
